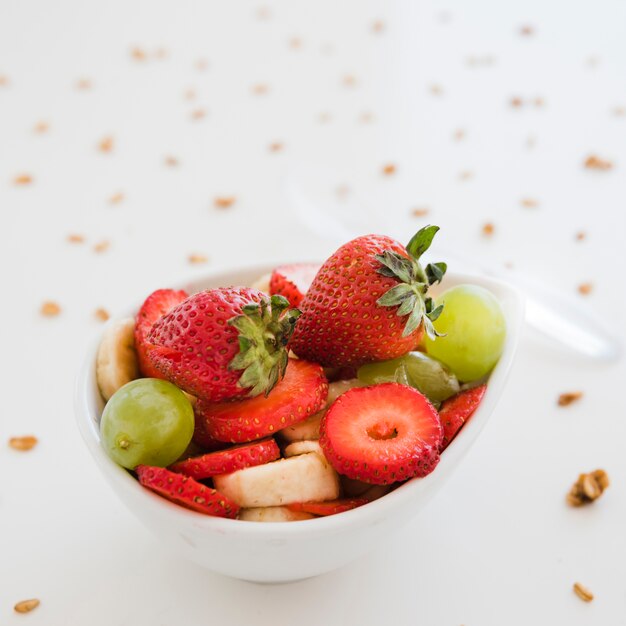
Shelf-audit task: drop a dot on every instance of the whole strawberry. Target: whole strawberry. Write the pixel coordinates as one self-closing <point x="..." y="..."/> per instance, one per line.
<point x="224" y="343"/>
<point x="368" y="302"/>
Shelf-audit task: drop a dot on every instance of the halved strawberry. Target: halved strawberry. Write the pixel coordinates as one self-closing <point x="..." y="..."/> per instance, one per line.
<point x="156" y="305"/>
<point x="455" y="411"/>
<point x="331" y="507"/>
<point x="300" y="394"/>
<point x="381" y="434"/>
<point x="293" y="281"/>
<point x="186" y="492"/>
<point x="227" y="461"/>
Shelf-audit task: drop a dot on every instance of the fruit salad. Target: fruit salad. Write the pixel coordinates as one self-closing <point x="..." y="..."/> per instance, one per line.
<point x="312" y="392"/>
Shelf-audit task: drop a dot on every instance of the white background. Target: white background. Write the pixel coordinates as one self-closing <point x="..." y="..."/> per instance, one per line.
<point x="499" y="545"/>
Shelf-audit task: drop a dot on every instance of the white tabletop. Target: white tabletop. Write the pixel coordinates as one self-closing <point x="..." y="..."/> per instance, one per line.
<point x="347" y="88"/>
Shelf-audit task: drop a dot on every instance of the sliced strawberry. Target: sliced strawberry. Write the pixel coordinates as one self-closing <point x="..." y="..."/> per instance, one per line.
<point x="202" y="438"/>
<point x="300" y="394"/>
<point x="227" y="461"/>
<point x="293" y="281"/>
<point x="186" y="492"/>
<point x="331" y="507"/>
<point x="455" y="411"/>
<point x="381" y="434"/>
<point x="156" y="305"/>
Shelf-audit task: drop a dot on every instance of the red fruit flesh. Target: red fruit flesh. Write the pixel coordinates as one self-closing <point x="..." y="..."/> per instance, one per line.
<point x="332" y="507"/>
<point x="381" y="434"/>
<point x="194" y="344"/>
<point x="341" y="323"/>
<point x="293" y="281"/>
<point x="227" y="461"/>
<point x="186" y="492"/>
<point x="202" y="438"/>
<point x="156" y="305"/>
<point x="300" y="394"/>
<point x="455" y="411"/>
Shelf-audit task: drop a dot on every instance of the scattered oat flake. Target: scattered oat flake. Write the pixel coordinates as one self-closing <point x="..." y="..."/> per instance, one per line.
<point x="263" y="13"/>
<point x="23" y="179"/>
<point x="137" y="54"/>
<point x="389" y="169"/>
<point x="295" y="43"/>
<point x="83" y="84"/>
<point x="201" y="65"/>
<point x="260" y="89"/>
<point x="4" y="80"/>
<point x="190" y="94"/>
<point x="224" y="202"/>
<point x="436" y="90"/>
<point x="41" y="127"/>
<point x="366" y="117"/>
<point x="466" y="175"/>
<point x="116" y="198"/>
<point x="529" y="203"/>
<point x="585" y="289"/>
<point x="26" y="606"/>
<point x="581" y="235"/>
<point x="171" y="161"/>
<point x="50" y="309"/>
<point x="488" y="229"/>
<point x="593" y="62"/>
<point x="527" y="30"/>
<point x="516" y="102"/>
<point x="459" y="134"/>
<point x="196" y="259"/>
<point x="101" y="246"/>
<point x="324" y="117"/>
<point x="101" y="314"/>
<point x="23" y="444"/>
<point x="198" y="114"/>
<point x="161" y="53"/>
<point x="588" y="488"/>
<point x="106" y="144"/>
<point x="378" y="26"/>
<point x="539" y="102"/>
<point x="567" y="398"/>
<point x="75" y="238"/>
<point x="342" y="191"/>
<point x="531" y="142"/>
<point x="619" y="111"/>
<point x="594" y="162"/>
<point x="582" y="592"/>
<point x="349" y="80"/>
<point x="420" y="212"/>
<point x="276" y="146"/>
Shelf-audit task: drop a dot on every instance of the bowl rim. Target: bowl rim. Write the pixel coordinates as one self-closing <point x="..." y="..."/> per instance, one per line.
<point x="87" y="424"/>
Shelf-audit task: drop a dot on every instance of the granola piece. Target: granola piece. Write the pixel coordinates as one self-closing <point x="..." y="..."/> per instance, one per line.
<point x="488" y="229"/>
<point x="196" y="259"/>
<point x="582" y="592"/>
<point x="50" y="309"/>
<point x="23" y="444"/>
<point x="389" y="169"/>
<point x="594" y="162"/>
<point x="565" y="399"/>
<point x="26" y="606"/>
<point x="23" y="179"/>
<point x="588" y="488"/>
<point x="101" y="314"/>
<point x="106" y="144"/>
<point x="584" y="289"/>
<point x="224" y="202"/>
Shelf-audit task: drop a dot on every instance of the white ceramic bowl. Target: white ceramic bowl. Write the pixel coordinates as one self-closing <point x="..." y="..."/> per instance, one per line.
<point x="280" y="552"/>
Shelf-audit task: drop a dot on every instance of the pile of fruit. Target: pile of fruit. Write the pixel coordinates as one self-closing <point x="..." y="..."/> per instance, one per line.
<point x="220" y="401"/>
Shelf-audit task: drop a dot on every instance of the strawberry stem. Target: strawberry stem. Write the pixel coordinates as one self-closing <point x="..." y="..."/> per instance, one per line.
<point x="264" y="331"/>
<point x="409" y="295"/>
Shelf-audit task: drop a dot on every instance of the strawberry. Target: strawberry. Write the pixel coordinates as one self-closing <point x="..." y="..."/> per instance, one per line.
<point x="381" y="434"/>
<point x="203" y="439"/>
<point x="455" y="411"/>
<point x="156" y="305"/>
<point x="186" y="491"/>
<point x="224" y="343"/>
<point x="227" y="461"/>
<point x="300" y="394"/>
<point x="330" y="507"/>
<point x="354" y="310"/>
<point x="293" y="281"/>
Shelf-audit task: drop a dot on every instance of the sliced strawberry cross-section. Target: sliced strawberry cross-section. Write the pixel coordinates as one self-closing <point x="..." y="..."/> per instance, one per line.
<point x="293" y="281"/>
<point x="455" y="411"/>
<point x="156" y="305"/>
<point x="381" y="434"/>
<point x="300" y="394"/>
<point x="331" y="507"/>
<point x="186" y="491"/>
<point x="227" y="461"/>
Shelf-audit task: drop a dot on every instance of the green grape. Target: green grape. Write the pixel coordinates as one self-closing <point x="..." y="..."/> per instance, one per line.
<point x="474" y="328"/>
<point x="147" y="422"/>
<point x="416" y="369"/>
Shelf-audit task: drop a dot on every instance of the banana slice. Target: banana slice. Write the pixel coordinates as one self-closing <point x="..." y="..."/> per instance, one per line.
<point x="303" y="447"/>
<point x="273" y="514"/>
<point x="307" y="429"/>
<point x="262" y="283"/>
<point x="303" y="478"/>
<point x="116" y="363"/>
